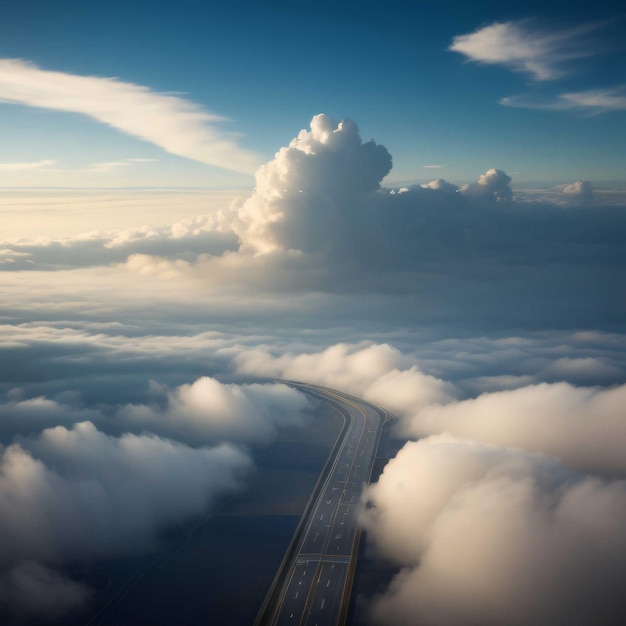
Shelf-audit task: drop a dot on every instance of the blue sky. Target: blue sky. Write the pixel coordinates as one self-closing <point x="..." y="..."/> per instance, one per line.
<point x="269" y="67"/>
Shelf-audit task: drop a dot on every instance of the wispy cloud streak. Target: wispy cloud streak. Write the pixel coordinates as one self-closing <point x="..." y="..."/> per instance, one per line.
<point x="523" y="48"/>
<point x="591" y="100"/>
<point x="174" y="124"/>
<point x="21" y="166"/>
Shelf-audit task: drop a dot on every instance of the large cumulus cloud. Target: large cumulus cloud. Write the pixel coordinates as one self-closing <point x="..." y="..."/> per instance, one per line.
<point x="313" y="190"/>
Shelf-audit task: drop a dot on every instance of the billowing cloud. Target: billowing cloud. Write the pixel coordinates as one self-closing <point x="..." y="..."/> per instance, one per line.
<point x="177" y="125"/>
<point x="308" y="196"/>
<point x="523" y="47"/>
<point x="496" y="536"/>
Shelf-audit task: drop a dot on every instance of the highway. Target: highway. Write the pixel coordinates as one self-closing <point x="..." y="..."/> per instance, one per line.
<point x="314" y="584"/>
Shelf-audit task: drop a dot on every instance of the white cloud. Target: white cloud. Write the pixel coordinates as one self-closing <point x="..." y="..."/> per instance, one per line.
<point x="523" y="48"/>
<point x="303" y="197"/>
<point x="177" y="125"/>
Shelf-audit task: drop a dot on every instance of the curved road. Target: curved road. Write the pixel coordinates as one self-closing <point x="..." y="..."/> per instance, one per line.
<point x="313" y="585"/>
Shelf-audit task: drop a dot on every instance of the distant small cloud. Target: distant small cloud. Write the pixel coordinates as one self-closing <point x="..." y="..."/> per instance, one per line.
<point x="524" y="48"/>
<point x="492" y="185"/>
<point x="591" y="100"/>
<point x="599" y="99"/>
<point x="441" y="185"/>
<point x="432" y="167"/>
<point x="580" y="192"/>
<point x="578" y="188"/>
<point x="108" y="166"/>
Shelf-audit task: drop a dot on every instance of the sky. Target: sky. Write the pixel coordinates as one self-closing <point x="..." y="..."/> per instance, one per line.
<point x="415" y="76"/>
<point x="422" y="205"/>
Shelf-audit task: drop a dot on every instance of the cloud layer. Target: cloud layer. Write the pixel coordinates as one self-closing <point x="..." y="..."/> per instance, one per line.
<point x="319" y="221"/>
<point x="489" y="314"/>
<point x="78" y="484"/>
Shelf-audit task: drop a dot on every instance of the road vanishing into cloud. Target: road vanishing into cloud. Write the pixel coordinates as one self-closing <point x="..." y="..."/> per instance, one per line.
<point x="313" y="585"/>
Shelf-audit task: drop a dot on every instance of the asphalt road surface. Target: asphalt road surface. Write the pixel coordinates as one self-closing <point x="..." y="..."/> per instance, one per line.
<point x="314" y="584"/>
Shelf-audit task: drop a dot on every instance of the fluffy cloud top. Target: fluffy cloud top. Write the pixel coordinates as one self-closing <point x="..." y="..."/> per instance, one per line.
<point x="209" y="411"/>
<point x="582" y="426"/>
<point x="312" y="189"/>
<point x="170" y="122"/>
<point x="492" y="185"/>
